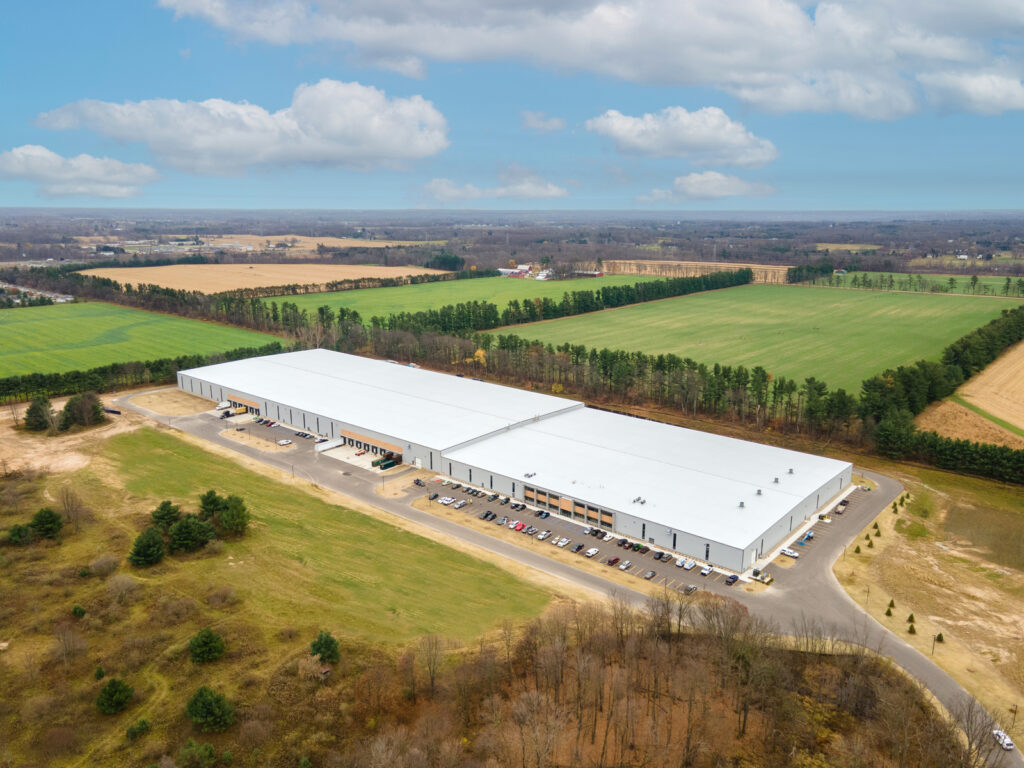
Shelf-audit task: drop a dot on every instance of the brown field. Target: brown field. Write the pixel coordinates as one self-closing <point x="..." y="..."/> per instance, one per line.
<point x="213" y="278"/>
<point x="999" y="389"/>
<point x="299" y="246"/>
<point x="953" y="420"/>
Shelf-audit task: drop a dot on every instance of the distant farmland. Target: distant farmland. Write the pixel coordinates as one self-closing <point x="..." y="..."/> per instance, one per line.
<point x="67" y="337"/>
<point x="841" y="337"/>
<point x="414" y="298"/>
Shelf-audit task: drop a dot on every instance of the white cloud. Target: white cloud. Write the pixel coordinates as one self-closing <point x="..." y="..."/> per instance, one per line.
<point x="328" y="123"/>
<point x="517" y="183"/>
<point x="862" y="57"/>
<point x="538" y="122"/>
<point x="82" y="175"/>
<point x="709" y="185"/>
<point x="984" y="93"/>
<point x="706" y="136"/>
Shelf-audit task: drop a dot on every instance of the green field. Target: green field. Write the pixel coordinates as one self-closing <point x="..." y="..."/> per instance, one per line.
<point x="841" y="337"/>
<point x="987" y="285"/>
<point x="68" y="337"/>
<point x="307" y="562"/>
<point x="414" y="298"/>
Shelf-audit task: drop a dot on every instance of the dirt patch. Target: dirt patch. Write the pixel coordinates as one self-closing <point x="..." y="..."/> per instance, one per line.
<point x="953" y="420"/>
<point x="213" y="278"/>
<point x="172" y="402"/>
<point x="999" y="389"/>
<point x="255" y="442"/>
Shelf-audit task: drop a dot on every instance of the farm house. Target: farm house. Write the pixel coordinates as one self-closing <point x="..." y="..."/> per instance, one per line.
<point x="717" y="499"/>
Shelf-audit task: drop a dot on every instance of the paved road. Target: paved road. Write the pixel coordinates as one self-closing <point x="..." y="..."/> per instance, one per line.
<point x="806" y="593"/>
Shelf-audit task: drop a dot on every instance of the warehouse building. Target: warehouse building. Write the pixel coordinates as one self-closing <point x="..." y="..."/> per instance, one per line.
<point x="724" y="501"/>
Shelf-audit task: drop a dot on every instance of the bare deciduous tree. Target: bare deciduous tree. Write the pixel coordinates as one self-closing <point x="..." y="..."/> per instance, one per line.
<point x="72" y="506"/>
<point x="431" y="655"/>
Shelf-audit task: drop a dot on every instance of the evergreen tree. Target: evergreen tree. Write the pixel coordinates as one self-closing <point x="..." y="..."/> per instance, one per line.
<point x="148" y="548"/>
<point x="39" y="415"/>
<point x="166" y="514"/>
<point x="82" y="410"/>
<point x="210" y="710"/>
<point x="206" y="645"/>
<point x="233" y="517"/>
<point x="326" y="647"/>
<point x="190" y="533"/>
<point x="114" y="697"/>
<point x="19" y="535"/>
<point x="210" y="505"/>
<point x="46" y="523"/>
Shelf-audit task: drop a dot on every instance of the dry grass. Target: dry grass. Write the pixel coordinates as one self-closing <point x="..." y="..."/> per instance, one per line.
<point x="953" y="420"/>
<point x="214" y="278"/>
<point x="172" y="402"/>
<point x="999" y="389"/>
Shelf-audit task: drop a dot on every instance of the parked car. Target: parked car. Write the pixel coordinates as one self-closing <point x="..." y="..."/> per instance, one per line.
<point x="432" y="496"/>
<point x="607" y="537"/>
<point x="622" y="542"/>
<point x="460" y="504"/>
<point x="613" y="561"/>
<point x="689" y="565"/>
<point x="644" y="549"/>
<point x="545" y="515"/>
<point x="284" y="442"/>
<point x="513" y="523"/>
<point x="490" y="516"/>
<point x="563" y="542"/>
<point x="543" y="535"/>
<point x="502" y="520"/>
<point x="1002" y="739"/>
<point x="707" y="570"/>
<point x="625" y="565"/>
<point x="530" y="531"/>
<point x="483" y="515"/>
<point x="492" y="497"/>
<point x="650" y="575"/>
<point x="592" y="551"/>
<point x="519" y="527"/>
<point x="680" y="562"/>
<point x="789" y="552"/>
<point x="505" y="500"/>
<point x="689" y="589"/>
<point x="731" y="579"/>
<point x="419" y="482"/>
<point x="577" y="547"/>
<point x="456" y="486"/>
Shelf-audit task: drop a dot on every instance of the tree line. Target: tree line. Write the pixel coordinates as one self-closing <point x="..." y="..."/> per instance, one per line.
<point x="484" y="315"/>
<point x="14" y="299"/>
<point x="118" y="375"/>
<point x="921" y="283"/>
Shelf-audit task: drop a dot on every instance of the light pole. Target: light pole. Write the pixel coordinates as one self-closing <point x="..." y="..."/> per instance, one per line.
<point x="1013" y="711"/>
<point x="867" y="597"/>
<point x="933" y="644"/>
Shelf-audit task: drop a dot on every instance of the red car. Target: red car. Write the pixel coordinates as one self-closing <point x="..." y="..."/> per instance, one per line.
<point x="520" y="526"/>
<point x="613" y="561"/>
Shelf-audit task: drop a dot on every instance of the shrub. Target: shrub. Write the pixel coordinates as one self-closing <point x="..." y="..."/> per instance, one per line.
<point x="78" y="611"/>
<point x="892" y="603"/>
<point x="912" y="631"/>
<point x="121" y="587"/>
<point x="19" y="535"/>
<point x="857" y="550"/>
<point x="233" y="517"/>
<point x="326" y="647"/>
<point x="878" y="534"/>
<point x="226" y="757"/>
<point x="166" y="514"/>
<point x="139" y="728"/>
<point x="114" y="697"/>
<point x="205" y="646"/>
<point x="46" y="523"/>
<point x="875" y="525"/>
<point x="104" y="565"/>
<point x="867" y="537"/>
<point x="39" y="416"/>
<point x="871" y="544"/>
<point x="888" y="611"/>
<point x="210" y="710"/>
<point x="190" y="533"/>
<point x="99" y="674"/>
<point x="148" y="548"/>
<point x="939" y="638"/>
<point x="84" y="572"/>
<point x="210" y="505"/>
<point x="196" y="755"/>
<point x="910" y="619"/>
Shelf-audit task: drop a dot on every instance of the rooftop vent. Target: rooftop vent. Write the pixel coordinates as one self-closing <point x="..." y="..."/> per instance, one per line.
<point x="741" y="505"/>
<point x="758" y="491"/>
<point x="776" y="480"/>
<point x="791" y="470"/>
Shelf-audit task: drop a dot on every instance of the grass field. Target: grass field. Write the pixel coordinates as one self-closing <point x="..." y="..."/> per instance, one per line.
<point x="852" y="247"/>
<point x="414" y="298"/>
<point x="67" y="337"/>
<point x="841" y="337"/>
<point x="344" y="570"/>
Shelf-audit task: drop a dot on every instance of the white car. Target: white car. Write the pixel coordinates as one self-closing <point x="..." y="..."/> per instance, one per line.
<point x="707" y="570"/>
<point x="460" y="504"/>
<point x="789" y="552"/>
<point x="447" y="500"/>
<point x="625" y="565"/>
<point x="563" y="542"/>
<point x="689" y="565"/>
<point x="543" y="535"/>
<point x="681" y="562"/>
<point x="608" y="537"/>
<point x="592" y="551"/>
<point x="284" y="442"/>
<point x="513" y="523"/>
<point x="1002" y="739"/>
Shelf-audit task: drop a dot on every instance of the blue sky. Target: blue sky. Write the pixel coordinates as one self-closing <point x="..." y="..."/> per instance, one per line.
<point x="566" y="104"/>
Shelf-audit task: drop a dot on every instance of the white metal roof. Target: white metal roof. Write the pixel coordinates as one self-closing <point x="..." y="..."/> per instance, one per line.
<point x="414" y="405"/>
<point x="690" y="481"/>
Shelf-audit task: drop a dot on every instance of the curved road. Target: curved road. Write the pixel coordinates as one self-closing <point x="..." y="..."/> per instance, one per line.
<point x="805" y="594"/>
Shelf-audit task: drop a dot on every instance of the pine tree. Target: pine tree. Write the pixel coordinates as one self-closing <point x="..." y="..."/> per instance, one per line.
<point x="148" y="548"/>
<point x="206" y="645"/>
<point x="46" y="523"/>
<point x="210" y="710"/>
<point x="190" y="533"/>
<point x="326" y="647"/>
<point x="39" y="415"/>
<point x="166" y="514"/>
<point x="233" y="517"/>
<point x="114" y="697"/>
